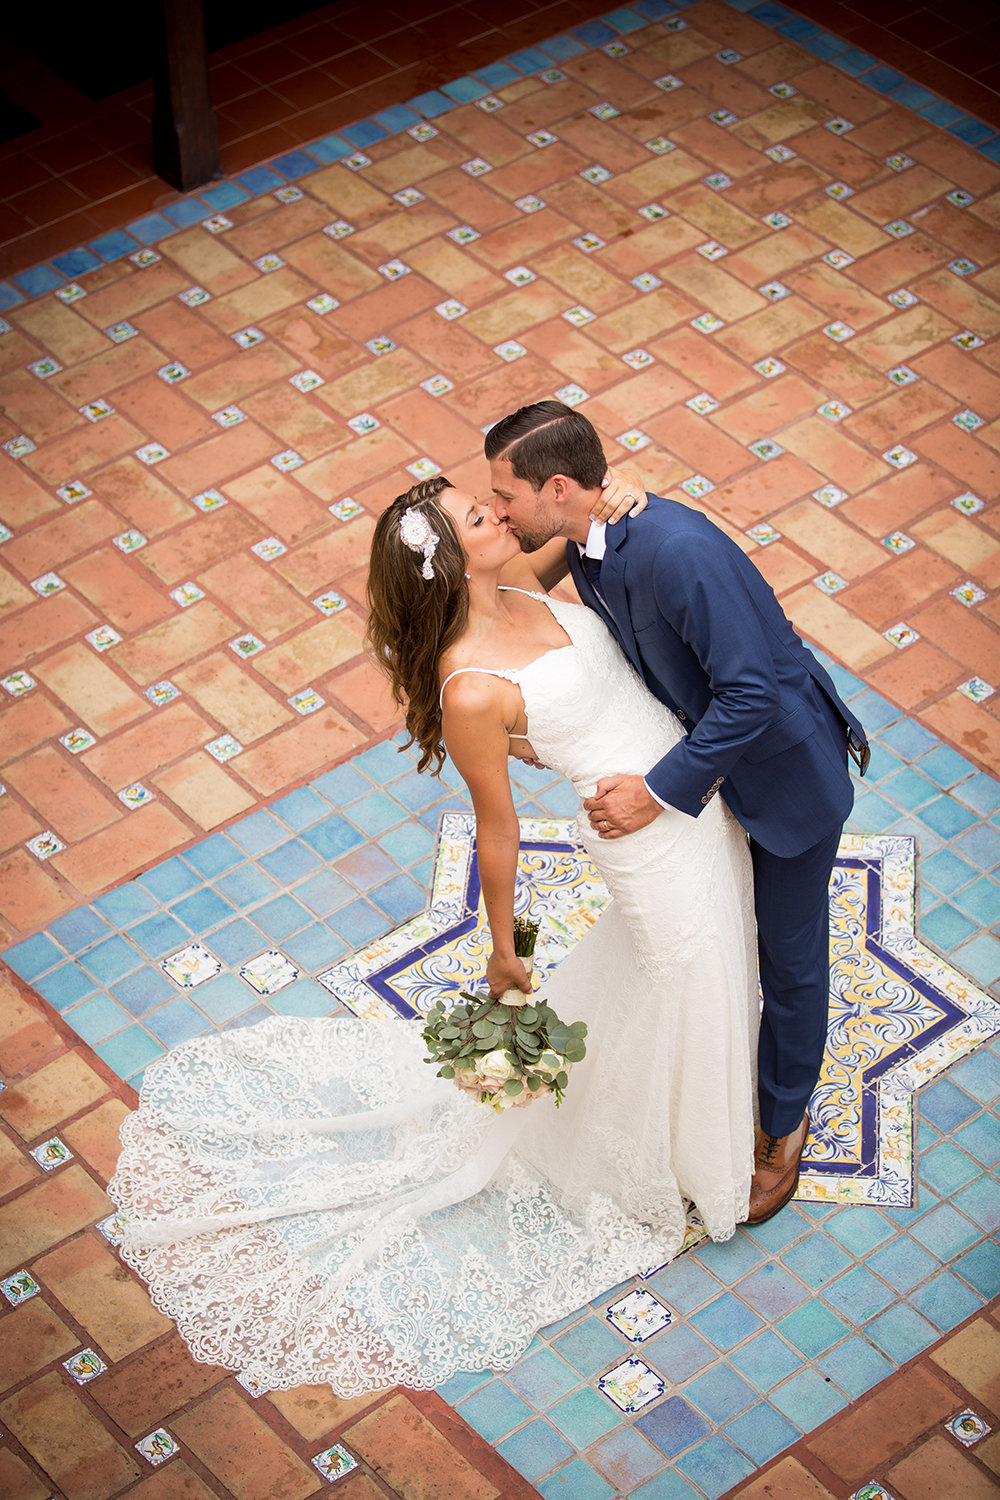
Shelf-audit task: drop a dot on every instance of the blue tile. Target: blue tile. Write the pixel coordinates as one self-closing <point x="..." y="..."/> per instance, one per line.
<point x="907" y="789"/>
<point x="160" y="935"/>
<point x="111" y="960"/>
<point x="991" y="149"/>
<point x="883" y="80"/>
<point x="766" y="1360"/>
<point x="114" y="246"/>
<point x="324" y="893"/>
<point x="945" y="1105"/>
<point x="730" y="1259"/>
<point x="654" y="10"/>
<point x="396" y="118"/>
<point x="400" y="898"/>
<point x="333" y="837"/>
<point x="295" y="164"/>
<point x="463" y="1384"/>
<point x="946" y="927"/>
<point x="245" y="886"/>
<point x="187" y="211"/>
<point x="223" y="195"/>
<point x="236" y="942"/>
<point x="855" y="1366"/>
<point x="176" y="1022"/>
<point x="981" y="1138"/>
<point x="673" y="1426"/>
<point x="981" y="1269"/>
<point x="908" y="738"/>
<point x="808" y="1400"/>
<point x="946" y="872"/>
<point x="535" y="1450"/>
<point x="301" y="808"/>
<point x="590" y="1346"/>
<point x="783" y="1230"/>
<point x="981" y="792"/>
<point x="940" y="113"/>
<point x="532" y="60"/>
<point x="772" y="1290"/>
<point x="980" y="958"/>
<point x="431" y="104"/>
<point x="260" y="180"/>
<point x="9" y="296"/>
<point x="214" y="855"/>
<point x="375" y="813"/>
<point x="366" y="867"/>
<point x="720" y="1393"/>
<point x="65" y="986"/>
<point x="859" y="1229"/>
<point x="980" y="900"/>
<point x="223" y="997"/>
<point x="625" y="20"/>
<point x="727" y="1321"/>
<point x="681" y="1352"/>
<point x="315" y="947"/>
<point x="946" y="1169"/>
<point x="947" y="817"/>
<point x="96" y="1019"/>
<point x="945" y="1301"/>
<point x="363" y="133"/>
<point x="290" y="861"/>
<point x="577" y="1481"/>
<point x="143" y="992"/>
<point x="281" y="916"/>
<point x="33" y="956"/>
<point x="330" y="148"/>
<point x="38" y="281"/>
<point x="75" y="263"/>
<point x="584" y="1417"/>
<point x="495" y="1410"/>
<point x="816" y="1260"/>
<point x="303" y="998"/>
<point x="408" y="843"/>
<point x="945" y="766"/>
<point x="981" y="1202"/>
<point x="627" y="1456"/>
<point x="872" y="812"/>
<point x="201" y="910"/>
<point x="972" y="131"/>
<point x="542" y="1378"/>
<point x="151" y="228"/>
<point x="715" y="1466"/>
<point x="346" y="784"/>
<point x="129" y="1051"/>
<point x="561" y="48"/>
<point x="979" y="1075"/>
<point x="858" y="1295"/>
<point x="497" y="75"/>
<point x="415" y="790"/>
<point x="913" y="96"/>
<point x="668" y="1485"/>
<point x="358" y="923"/>
<point x="855" y="62"/>
<point x="761" y="1433"/>
<point x="685" y="1285"/>
<point x="464" y="90"/>
<point x="945" y="1232"/>
<point x="170" y="879"/>
<point x="813" y="1328"/>
<point x="901" y="1332"/>
<point x="257" y="832"/>
<point x="595" y="33"/>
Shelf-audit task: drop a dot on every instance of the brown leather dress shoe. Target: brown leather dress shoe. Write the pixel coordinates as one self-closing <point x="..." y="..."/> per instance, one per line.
<point x="776" y="1161"/>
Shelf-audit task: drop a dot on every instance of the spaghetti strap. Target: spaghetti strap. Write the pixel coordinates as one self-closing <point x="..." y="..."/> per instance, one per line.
<point x="508" y="673"/>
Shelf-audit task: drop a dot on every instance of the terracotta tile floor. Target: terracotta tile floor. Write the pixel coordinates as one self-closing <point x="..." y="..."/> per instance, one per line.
<point x="817" y="368"/>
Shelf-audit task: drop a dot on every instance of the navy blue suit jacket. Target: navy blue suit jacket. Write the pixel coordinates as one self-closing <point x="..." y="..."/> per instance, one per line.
<point x="764" y="722"/>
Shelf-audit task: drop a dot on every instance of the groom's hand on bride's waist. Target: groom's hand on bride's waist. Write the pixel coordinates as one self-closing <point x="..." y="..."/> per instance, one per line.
<point x="621" y="804"/>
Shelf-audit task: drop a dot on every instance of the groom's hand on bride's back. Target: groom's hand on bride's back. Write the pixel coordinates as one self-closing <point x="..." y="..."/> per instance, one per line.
<point x="620" y="805"/>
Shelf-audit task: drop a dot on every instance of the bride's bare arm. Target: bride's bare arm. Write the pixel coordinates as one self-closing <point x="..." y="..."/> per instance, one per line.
<point x="475" y="737"/>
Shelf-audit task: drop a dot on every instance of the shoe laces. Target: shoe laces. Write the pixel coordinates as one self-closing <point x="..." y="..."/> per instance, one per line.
<point x="770" y="1149"/>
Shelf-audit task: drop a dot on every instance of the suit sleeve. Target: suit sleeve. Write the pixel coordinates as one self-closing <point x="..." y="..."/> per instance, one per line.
<point x="700" y="594"/>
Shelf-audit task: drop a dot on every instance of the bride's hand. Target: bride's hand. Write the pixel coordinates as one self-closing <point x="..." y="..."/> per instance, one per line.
<point x="504" y="974"/>
<point x="622" y="494"/>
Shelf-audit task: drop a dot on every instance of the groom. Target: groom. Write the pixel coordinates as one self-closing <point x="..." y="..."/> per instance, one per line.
<point x="763" y="719"/>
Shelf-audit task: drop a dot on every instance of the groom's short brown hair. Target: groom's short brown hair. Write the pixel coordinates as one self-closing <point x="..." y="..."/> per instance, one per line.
<point x="545" y="439"/>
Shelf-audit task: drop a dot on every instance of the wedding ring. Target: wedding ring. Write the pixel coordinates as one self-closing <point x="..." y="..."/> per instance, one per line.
<point x="629" y="495"/>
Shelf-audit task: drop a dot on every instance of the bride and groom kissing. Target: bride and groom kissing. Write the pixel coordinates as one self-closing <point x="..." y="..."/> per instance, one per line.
<point x="304" y="1201"/>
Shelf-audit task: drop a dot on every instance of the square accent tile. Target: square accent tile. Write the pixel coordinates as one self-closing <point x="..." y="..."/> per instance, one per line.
<point x="73" y="491"/>
<point x="571" y="395"/>
<point x="509" y="350"/>
<point x="287" y="460"/>
<point x="638" y="1315"/>
<point x="246" y="645"/>
<point x="103" y="638"/>
<point x="18" y="1287"/>
<point x="51" y="1154"/>
<point x="191" y="966"/>
<point x="631" y="1385"/>
<point x="966" y="1426"/>
<point x="829" y="495"/>
<point x="269" y="972"/>
<point x="329" y="603"/>
<point x="334" y="1463"/>
<point x="268" y="549"/>
<point x="901" y="635"/>
<point x="44" y="845"/>
<point x="322" y="304"/>
<point x="160" y="693"/>
<point x="381" y="344"/>
<point x="451" y="308"/>
<point x="185" y="594"/>
<point x="79" y="739"/>
<point x="85" y="1366"/>
<point x="463" y="234"/>
<point x="638" y="359"/>
<point x="156" y="1447"/>
<point x="306" y="702"/>
<point x="634" y="440"/>
<point x="224" y="748"/>
<point x="208" y="500"/>
<point x="135" y="795"/>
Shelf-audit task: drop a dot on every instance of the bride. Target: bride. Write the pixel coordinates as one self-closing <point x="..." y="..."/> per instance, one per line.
<point x="305" y="1199"/>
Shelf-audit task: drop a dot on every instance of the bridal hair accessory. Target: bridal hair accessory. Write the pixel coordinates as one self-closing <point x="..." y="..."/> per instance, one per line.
<point x="417" y="533"/>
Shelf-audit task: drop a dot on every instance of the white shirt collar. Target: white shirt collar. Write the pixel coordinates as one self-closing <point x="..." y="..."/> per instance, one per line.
<point x="596" y="543"/>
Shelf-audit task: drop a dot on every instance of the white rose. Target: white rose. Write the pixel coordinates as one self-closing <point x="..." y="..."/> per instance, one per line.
<point x="551" y="1062"/>
<point x="494" y="1069"/>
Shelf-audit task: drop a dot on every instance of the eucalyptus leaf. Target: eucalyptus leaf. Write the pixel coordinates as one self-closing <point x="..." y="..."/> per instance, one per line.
<point x="513" y="1086"/>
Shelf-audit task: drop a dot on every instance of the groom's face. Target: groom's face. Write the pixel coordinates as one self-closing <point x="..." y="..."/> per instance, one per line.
<point x="530" y="514"/>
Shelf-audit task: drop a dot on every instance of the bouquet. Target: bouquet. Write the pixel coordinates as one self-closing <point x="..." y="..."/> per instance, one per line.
<point x="505" y="1055"/>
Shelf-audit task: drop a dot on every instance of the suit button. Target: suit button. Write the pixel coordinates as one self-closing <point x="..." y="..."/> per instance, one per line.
<point x="681" y="714"/>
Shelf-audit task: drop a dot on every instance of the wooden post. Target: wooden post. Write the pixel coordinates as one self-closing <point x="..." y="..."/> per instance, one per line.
<point x="185" y="145"/>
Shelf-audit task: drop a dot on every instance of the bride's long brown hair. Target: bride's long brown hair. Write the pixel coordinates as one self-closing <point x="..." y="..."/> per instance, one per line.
<point x="412" y="620"/>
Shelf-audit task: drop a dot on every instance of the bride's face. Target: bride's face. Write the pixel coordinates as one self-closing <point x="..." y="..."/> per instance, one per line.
<point x="487" y="542"/>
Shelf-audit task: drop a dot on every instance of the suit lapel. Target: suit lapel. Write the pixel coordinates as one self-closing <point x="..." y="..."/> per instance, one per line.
<point x="613" y="570"/>
<point x="586" y="590"/>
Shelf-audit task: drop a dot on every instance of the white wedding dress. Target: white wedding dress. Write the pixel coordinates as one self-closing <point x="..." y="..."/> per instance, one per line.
<point x="310" y="1203"/>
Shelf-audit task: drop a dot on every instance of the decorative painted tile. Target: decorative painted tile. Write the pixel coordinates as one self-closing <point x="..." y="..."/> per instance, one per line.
<point x="775" y="291"/>
<point x="17" y="683"/>
<point x="968" y="593"/>
<point x="194" y="296"/>
<point x="589" y="243"/>
<point x="217" y="224"/>
<point x="901" y="635"/>
<point x="668" y="82"/>
<point x="489" y="103"/>
<point x="660" y="145"/>
<point x="900" y="457"/>
<point x="156" y="1447"/>
<point x="646" y="282"/>
<point x="84" y="1366"/>
<point x="324" y="303"/>
<point x="712" y="250"/>
<point x="604" y="111"/>
<point x="477" y="167"/>
<point x="902" y="375"/>
<point x="145" y="257"/>
<point x="595" y="174"/>
<point x="423" y="468"/>
<point x="717" y="181"/>
<point x="766" y="449"/>
<point x="80" y="739"/>
<point x="73" y="491"/>
<point x="579" y="316"/>
<point x="339" y="229"/>
<point x="248" y="337"/>
<point x="306" y="380"/>
<point x="287" y="460"/>
<point x="830" y="582"/>
<point x="246" y="646"/>
<point x="95" y="411"/>
<point x="103" y="638"/>
<point x="268" y="263"/>
<point x="186" y="593"/>
<point x="675" y="23"/>
<point x="381" y="344"/>
<point x="763" y="534"/>
<point x="152" y="453"/>
<point x="782" y="91"/>
<point x="113" y="1228"/>
<point x="423" y="131"/>
<point x="43" y="368"/>
<point x="728" y="56"/>
<point x="191" y="966"/>
<point x="334" y="1463"/>
<point x="224" y="748"/>
<point x="839" y="126"/>
<point x="249" y="1382"/>
<point x="71" y="292"/>
<point x="463" y="234"/>
<point x="966" y="1426"/>
<point x="967" y="340"/>
<point x="707" y="323"/>
<point x="769" y="367"/>
<point x="160" y="693"/>
<point x="5" y="327"/>
<point x="839" y="331"/>
<point x="392" y="270"/>
<point x="541" y="138"/>
<point x="703" y="403"/>
<point x="19" y="1287"/>
<point x="209" y="500"/>
<point x="329" y="603"/>
<point x="899" y="229"/>
<point x="976" y="689"/>
<point x="363" y="423"/>
<point x="899" y="162"/>
<point x="838" y="259"/>
<point x="49" y="583"/>
<point x="173" y="373"/>
<point x="118" y="333"/>
<point x="306" y="702"/>
<point x="346" y="509"/>
<point x="229" y="416"/>
<point x="135" y="795"/>
<point x="634" y="440"/>
<point x="780" y="154"/>
<point x="898" y="541"/>
<point x="830" y="495"/>
<point x="44" y="845"/>
<point x="129" y="541"/>
<point x="571" y="395"/>
<point x="357" y="161"/>
<point x="968" y="420"/>
<point x="451" y="308"/>
<point x="871" y="1491"/>
<point x="510" y="349"/>
<point x="407" y="197"/>
<point x="51" y="1154"/>
<point x="552" y="75"/>
<point x="638" y="1315"/>
<point x="616" y="49"/>
<point x="269" y="972"/>
<point x="638" y="359"/>
<point x="723" y="117"/>
<point x="960" y="198"/>
<point x="968" y="504"/>
<point x="530" y="204"/>
<point x="834" y="411"/>
<point x="654" y="212"/>
<point x="963" y="267"/>
<point x="839" y="190"/>
<point x="5" y="533"/>
<point x="269" y="549"/>
<point x="697" y="486"/>
<point x="777" y="221"/>
<point x="631" y="1385"/>
<point x="903" y="297"/>
<point x="289" y="194"/>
